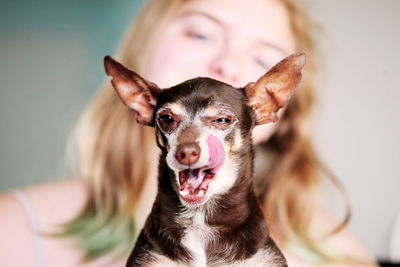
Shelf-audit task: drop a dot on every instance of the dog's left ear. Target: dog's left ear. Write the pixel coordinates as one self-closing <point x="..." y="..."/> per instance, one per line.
<point x="274" y="89"/>
<point x="137" y="93"/>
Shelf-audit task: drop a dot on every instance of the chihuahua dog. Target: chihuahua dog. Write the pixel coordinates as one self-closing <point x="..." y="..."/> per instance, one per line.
<point x="206" y="212"/>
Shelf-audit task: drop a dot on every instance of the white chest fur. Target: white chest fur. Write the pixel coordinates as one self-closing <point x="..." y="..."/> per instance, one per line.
<point x="196" y="238"/>
<point x="199" y="234"/>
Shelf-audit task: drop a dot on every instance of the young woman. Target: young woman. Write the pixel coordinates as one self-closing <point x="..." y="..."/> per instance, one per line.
<point x="92" y="220"/>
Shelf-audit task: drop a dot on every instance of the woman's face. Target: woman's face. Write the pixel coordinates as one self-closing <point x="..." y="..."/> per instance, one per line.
<point x="234" y="41"/>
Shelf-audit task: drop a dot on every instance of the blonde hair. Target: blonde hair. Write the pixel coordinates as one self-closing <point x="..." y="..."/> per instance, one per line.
<point x="114" y="153"/>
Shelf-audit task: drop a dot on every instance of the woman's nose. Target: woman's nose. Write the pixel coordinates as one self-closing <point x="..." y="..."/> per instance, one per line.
<point x="225" y="67"/>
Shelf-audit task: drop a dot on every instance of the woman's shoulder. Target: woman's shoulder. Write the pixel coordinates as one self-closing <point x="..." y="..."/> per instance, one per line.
<point x="49" y="203"/>
<point x="15" y="232"/>
<point x="342" y="243"/>
<point x="42" y="207"/>
<point x="343" y="240"/>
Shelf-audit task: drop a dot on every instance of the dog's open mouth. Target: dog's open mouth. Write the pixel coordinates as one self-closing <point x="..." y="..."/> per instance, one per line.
<point x="193" y="183"/>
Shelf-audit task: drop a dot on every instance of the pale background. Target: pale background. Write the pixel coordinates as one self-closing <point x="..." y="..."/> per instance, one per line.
<point x="51" y="64"/>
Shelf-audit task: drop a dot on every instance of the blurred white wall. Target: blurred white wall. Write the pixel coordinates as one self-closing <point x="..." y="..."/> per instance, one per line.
<point x="51" y="63"/>
<point x="358" y="125"/>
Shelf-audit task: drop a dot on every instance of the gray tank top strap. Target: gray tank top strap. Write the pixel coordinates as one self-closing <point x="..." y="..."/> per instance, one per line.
<point x="37" y="239"/>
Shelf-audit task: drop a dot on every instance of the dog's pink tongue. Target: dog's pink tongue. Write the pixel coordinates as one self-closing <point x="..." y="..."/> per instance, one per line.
<point x="195" y="177"/>
<point x="217" y="153"/>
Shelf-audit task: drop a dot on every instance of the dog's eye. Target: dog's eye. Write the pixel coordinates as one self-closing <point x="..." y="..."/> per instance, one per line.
<point x="166" y="119"/>
<point x="223" y="120"/>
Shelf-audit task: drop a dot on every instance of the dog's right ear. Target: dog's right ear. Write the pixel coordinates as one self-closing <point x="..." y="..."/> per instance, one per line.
<point x="137" y="93"/>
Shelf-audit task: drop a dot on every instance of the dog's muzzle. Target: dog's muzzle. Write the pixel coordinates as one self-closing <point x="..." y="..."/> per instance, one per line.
<point x="194" y="182"/>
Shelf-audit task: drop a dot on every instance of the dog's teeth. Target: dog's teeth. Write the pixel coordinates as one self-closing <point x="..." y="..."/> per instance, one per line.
<point x="184" y="192"/>
<point x="201" y="193"/>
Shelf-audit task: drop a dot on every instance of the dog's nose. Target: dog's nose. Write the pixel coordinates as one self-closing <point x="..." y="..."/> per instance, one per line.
<point x="188" y="154"/>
